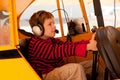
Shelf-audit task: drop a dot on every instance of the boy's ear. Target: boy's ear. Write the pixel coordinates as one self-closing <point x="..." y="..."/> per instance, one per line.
<point x="38" y="30"/>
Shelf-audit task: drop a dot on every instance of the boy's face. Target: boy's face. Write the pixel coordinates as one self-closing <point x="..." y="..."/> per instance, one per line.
<point x="49" y="28"/>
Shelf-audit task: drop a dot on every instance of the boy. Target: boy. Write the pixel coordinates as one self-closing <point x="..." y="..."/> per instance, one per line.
<point x="46" y="53"/>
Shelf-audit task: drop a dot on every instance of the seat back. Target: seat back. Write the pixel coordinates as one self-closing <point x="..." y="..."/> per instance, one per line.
<point x="108" y="43"/>
<point x="24" y="43"/>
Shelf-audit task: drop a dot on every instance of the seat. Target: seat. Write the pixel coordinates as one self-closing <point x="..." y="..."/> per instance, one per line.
<point x="23" y="43"/>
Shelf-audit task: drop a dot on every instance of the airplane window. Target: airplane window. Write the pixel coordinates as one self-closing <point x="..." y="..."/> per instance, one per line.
<point x="8" y="33"/>
<point x="90" y="13"/>
<point x="34" y="7"/>
<point x="110" y="17"/>
<point x="4" y="28"/>
<point x="69" y="9"/>
<point x="110" y="11"/>
<point x="72" y="12"/>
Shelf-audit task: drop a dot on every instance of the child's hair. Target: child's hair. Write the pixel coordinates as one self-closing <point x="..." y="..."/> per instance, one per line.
<point x="39" y="18"/>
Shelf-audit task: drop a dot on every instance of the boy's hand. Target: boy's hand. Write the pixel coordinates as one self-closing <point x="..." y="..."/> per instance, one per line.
<point x="92" y="45"/>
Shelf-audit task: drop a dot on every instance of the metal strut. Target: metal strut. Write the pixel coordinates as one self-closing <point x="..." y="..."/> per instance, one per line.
<point x="100" y="21"/>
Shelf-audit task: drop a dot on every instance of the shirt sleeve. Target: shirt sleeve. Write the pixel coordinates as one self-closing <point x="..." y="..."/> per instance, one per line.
<point x="59" y="49"/>
<point x="81" y="49"/>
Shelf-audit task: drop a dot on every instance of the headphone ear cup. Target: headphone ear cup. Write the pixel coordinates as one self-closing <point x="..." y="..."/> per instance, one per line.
<point x="37" y="30"/>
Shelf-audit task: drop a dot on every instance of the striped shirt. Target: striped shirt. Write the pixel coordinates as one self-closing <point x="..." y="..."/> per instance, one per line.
<point x="45" y="55"/>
